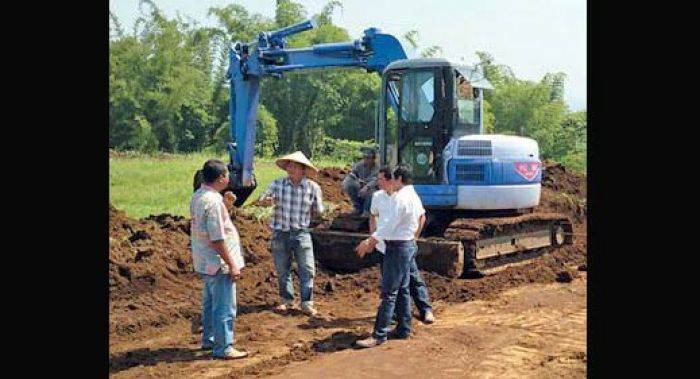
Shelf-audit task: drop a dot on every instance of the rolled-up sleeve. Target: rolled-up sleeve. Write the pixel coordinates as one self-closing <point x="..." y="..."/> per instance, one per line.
<point x="419" y="208"/>
<point x="215" y="222"/>
<point x="318" y="199"/>
<point x="271" y="188"/>
<point x="374" y="206"/>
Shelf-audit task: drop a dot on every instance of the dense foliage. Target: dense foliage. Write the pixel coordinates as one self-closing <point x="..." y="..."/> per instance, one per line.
<point x="167" y="91"/>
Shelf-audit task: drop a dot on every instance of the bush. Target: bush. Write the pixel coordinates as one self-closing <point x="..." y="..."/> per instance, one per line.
<point x="340" y="149"/>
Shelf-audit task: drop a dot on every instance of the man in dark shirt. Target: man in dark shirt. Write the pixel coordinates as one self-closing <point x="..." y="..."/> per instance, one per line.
<point x="361" y="182"/>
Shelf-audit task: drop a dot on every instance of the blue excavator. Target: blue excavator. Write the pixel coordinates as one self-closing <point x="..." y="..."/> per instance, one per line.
<point x="479" y="190"/>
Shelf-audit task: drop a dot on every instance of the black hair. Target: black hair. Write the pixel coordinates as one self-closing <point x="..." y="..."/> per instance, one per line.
<point x="404" y="173"/>
<point x="213" y="169"/>
<point x="386" y="172"/>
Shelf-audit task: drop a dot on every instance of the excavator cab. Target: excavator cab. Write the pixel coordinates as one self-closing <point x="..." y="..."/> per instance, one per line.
<point x="423" y="104"/>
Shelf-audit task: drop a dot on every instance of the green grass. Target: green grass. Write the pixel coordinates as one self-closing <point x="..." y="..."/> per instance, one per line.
<point x="143" y="185"/>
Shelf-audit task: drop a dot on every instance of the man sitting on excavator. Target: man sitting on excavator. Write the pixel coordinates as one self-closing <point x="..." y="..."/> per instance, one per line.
<point x="361" y="182"/>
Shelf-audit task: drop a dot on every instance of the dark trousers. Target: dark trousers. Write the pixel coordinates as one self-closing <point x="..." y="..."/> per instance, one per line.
<point x="395" y="294"/>
<point x="417" y="287"/>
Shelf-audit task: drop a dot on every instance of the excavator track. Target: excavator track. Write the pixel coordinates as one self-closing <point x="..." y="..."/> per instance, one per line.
<point x="464" y="247"/>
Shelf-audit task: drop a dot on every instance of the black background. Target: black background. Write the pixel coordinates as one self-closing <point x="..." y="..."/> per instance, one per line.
<point x="58" y="186"/>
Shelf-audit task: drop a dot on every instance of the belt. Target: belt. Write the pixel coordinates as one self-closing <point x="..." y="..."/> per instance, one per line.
<point x="397" y="242"/>
<point x="303" y="230"/>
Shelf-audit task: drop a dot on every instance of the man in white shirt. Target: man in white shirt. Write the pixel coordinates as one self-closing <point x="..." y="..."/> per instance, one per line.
<point x="378" y="213"/>
<point x="397" y="232"/>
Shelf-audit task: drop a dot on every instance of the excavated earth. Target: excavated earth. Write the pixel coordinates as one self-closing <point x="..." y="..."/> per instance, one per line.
<point x="155" y="296"/>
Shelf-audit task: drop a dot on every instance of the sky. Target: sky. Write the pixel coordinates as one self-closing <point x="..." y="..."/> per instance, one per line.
<point x="533" y="37"/>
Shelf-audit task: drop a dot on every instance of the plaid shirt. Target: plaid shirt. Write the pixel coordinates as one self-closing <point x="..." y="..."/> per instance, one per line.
<point x="293" y="204"/>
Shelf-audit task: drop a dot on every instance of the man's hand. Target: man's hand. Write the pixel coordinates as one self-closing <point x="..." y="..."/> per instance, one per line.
<point x="364" y="247"/>
<point x="266" y="201"/>
<point x="234" y="272"/>
<point x="229" y="199"/>
<point x="360" y="250"/>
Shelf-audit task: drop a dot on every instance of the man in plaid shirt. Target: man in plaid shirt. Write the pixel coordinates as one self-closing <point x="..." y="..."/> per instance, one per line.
<point x="294" y="197"/>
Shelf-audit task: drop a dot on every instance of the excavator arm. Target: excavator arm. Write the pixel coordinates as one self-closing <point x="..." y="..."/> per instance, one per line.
<point x="269" y="56"/>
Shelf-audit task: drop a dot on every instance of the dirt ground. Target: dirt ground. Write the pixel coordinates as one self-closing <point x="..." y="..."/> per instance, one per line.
<point x="536" y="331"/>
<point x="527" y="318"/>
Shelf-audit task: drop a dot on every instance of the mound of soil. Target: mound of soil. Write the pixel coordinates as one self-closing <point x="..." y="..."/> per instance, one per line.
<point x="150" y="271"/>
<point x="556" y="178"/>
<point x="563" y="192"/>
<point x="330" y="180"/>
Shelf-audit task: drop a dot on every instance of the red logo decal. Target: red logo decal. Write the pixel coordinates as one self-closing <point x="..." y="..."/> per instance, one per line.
<point x="527" y="170"/>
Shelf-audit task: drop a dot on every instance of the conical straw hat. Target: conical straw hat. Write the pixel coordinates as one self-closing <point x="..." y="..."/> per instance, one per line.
<point x="298" y="157"/>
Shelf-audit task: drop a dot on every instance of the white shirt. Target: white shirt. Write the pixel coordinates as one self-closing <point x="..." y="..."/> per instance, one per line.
<point x="380" y="208"/>
<point x="401" y="221"/>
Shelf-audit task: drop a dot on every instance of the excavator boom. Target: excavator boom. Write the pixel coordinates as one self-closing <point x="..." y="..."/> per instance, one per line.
<point x="269" y="56"/>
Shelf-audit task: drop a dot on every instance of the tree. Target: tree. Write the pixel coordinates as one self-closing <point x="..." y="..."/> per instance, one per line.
<point x="325" y="16"/>
<point x="412" y="38"/>
<point x="288" y="13"/>
<point x="192" y="127"/>
<point x="513" y="103"/>
<point x="267" y="139"/>
<point x="431" y="52"/>
<point x="545" y="126"/>
<point x="496" y="74"/>
<point x="165" y="64"/>
<point x="576" y="124"/>
<point x="555" y="81"/>
<point x="489" y="118"/>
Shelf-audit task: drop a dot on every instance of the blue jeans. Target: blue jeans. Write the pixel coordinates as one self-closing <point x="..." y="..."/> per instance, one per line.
<point x="218" y="312"/>
<point x="297" y="244"/>
<point x="416" y="285"/>
<point x="395" y="293"/>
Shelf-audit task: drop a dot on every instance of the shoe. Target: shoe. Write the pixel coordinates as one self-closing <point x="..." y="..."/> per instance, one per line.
<point x="308" y="309"/>
<point x="394" y="335"/>
<point x="368" y="342"/>
<point x="233" y="354"/>
<point x="282" y="308"/>
<point x="207" y="344"/>
<point x="429" y="317"/>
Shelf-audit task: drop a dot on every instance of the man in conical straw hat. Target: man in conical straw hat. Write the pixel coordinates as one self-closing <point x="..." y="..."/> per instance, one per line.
<point x="294" y="197"/>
